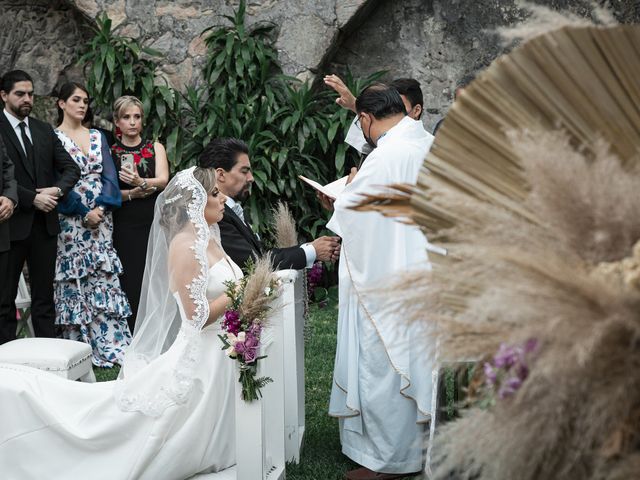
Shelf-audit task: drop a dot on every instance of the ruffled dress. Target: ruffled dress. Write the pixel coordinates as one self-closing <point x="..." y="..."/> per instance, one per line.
<point x="90" y="304"/>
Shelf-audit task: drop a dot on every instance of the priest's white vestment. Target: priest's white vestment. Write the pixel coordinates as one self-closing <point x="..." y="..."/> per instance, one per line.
<point x="382" y="375"/>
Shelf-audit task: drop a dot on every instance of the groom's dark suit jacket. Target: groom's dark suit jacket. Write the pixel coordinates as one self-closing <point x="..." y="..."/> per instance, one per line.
<point x="7" y="189"/>
<point x="240" y="243"/>
<point x="52" y="166"/>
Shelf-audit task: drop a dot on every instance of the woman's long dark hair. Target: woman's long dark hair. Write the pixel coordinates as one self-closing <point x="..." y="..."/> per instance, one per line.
<point x="65" y="93"/>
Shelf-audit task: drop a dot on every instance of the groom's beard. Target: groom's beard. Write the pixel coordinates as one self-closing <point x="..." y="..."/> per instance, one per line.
<point x="243" y="194"/>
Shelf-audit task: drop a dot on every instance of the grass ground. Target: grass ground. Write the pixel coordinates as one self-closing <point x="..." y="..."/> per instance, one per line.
<point x="321" y="457"/>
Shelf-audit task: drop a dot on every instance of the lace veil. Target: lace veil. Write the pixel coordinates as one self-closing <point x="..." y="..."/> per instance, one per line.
<point x="173" y="304"/>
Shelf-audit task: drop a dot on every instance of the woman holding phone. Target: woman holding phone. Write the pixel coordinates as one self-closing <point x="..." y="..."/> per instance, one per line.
<point x="143" y="171"/>
<point x="90" y="305"/>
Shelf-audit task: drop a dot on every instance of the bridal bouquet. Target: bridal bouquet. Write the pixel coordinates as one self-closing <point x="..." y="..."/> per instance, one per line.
<point x="244" y="321"/>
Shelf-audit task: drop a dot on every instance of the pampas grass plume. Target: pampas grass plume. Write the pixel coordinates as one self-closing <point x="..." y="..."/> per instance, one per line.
<point x="284" y="226"/>
<point x="254" y="301"/>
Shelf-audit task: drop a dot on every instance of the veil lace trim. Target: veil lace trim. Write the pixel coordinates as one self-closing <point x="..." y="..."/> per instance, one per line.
<point x="138" y="390"/>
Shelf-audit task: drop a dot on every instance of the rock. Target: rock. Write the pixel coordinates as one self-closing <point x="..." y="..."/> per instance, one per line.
<point x="89" y="7"/>
<point x="437" y="42"/>
<point x="197" y="47"/>
<point x="116" y="12"/>
<point x="41" y="38"/>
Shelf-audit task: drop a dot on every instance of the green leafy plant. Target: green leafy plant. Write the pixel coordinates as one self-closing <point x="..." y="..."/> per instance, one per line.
<point x="290" y="127"/>
<point x="115" y="66"/>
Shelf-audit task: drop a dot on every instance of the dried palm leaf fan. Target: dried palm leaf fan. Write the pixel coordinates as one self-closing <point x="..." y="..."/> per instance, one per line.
<point x="533" y="185"/>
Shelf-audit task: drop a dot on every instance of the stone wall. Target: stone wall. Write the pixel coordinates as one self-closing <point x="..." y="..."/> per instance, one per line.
<point x="439" y="42"/>
<point x="45" y="37"/>
<point x="42" y="37"/>
<point x="436" y="41"/>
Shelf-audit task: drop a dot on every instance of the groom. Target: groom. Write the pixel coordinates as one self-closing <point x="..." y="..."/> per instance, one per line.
<point x="230" y="158"/>
<point x="44" y="172"/>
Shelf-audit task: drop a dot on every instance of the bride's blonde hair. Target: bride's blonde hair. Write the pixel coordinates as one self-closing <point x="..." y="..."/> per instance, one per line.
<point x="206" y="177"/>
<point x="174" y="215"/>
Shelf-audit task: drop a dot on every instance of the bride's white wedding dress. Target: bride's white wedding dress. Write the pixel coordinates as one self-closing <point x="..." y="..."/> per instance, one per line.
<point x="59" y="429"/>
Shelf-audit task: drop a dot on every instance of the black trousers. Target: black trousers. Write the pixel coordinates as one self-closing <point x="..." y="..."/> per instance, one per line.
<point x="39" y="251"/>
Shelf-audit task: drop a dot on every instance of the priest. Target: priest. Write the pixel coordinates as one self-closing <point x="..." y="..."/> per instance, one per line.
<point x="382" y="375"/>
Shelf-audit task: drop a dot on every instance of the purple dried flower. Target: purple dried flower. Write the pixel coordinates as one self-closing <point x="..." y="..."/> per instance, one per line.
<point x="531" y="345"/>
<point x="231" y="322"/>
<point x="509" y="387"/>
<point x="490" y="373"/>
<point x="506" y="356"/>
<point x="509" y="368"/>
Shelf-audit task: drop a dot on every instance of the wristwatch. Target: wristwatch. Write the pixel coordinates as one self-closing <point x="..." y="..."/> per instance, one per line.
<point x="59" y="194"/>
<point x="101" y="208"/>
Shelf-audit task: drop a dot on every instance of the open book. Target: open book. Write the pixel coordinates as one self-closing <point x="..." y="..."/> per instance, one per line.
<point x="331" y="190"/>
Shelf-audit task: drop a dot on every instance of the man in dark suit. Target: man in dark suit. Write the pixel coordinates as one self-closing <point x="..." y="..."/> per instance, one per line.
<point x="230" y="158"/>
<point x="8" y="202"/>
<point x="44" y="172"/>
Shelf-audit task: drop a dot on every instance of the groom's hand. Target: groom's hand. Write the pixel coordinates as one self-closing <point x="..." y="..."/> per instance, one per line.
<point x="325" y="247"/>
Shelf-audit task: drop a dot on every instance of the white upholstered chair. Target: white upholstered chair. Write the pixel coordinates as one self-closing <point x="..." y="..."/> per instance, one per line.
<point x="65" y="358"/>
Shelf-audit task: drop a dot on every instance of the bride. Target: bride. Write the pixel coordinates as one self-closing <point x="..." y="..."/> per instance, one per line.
<point x="170" y="414"/>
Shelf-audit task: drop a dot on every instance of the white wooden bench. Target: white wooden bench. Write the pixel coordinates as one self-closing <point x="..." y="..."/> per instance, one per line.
<point x="294" y="412"/>
<point x="260" y="452"/>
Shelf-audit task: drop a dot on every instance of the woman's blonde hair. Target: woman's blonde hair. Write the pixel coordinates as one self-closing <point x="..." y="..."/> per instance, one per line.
<point x="124" y="102"/>
<point x="207" y="177"/>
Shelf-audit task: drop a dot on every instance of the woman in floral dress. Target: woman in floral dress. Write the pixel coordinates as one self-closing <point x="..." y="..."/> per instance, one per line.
<point x="90" y="305"/>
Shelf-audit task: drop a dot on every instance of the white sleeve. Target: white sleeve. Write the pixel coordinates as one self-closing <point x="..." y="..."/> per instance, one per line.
<point x="309" y="253"/>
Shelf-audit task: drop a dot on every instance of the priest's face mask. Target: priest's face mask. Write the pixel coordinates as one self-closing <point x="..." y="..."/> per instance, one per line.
<point x="365" y="121"/>
<point x="236" y="183"/>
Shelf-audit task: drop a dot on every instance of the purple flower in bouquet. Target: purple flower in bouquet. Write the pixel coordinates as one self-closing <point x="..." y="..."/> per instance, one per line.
<point x="247" y="343"/>
<point x="231" y="322"/>
<point x="250" y="355"/>
<point x="255" y="329"/>
<point x="250" y="347"/>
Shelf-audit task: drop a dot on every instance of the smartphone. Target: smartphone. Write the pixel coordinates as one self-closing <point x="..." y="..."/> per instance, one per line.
<point x="127" y="161"/>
